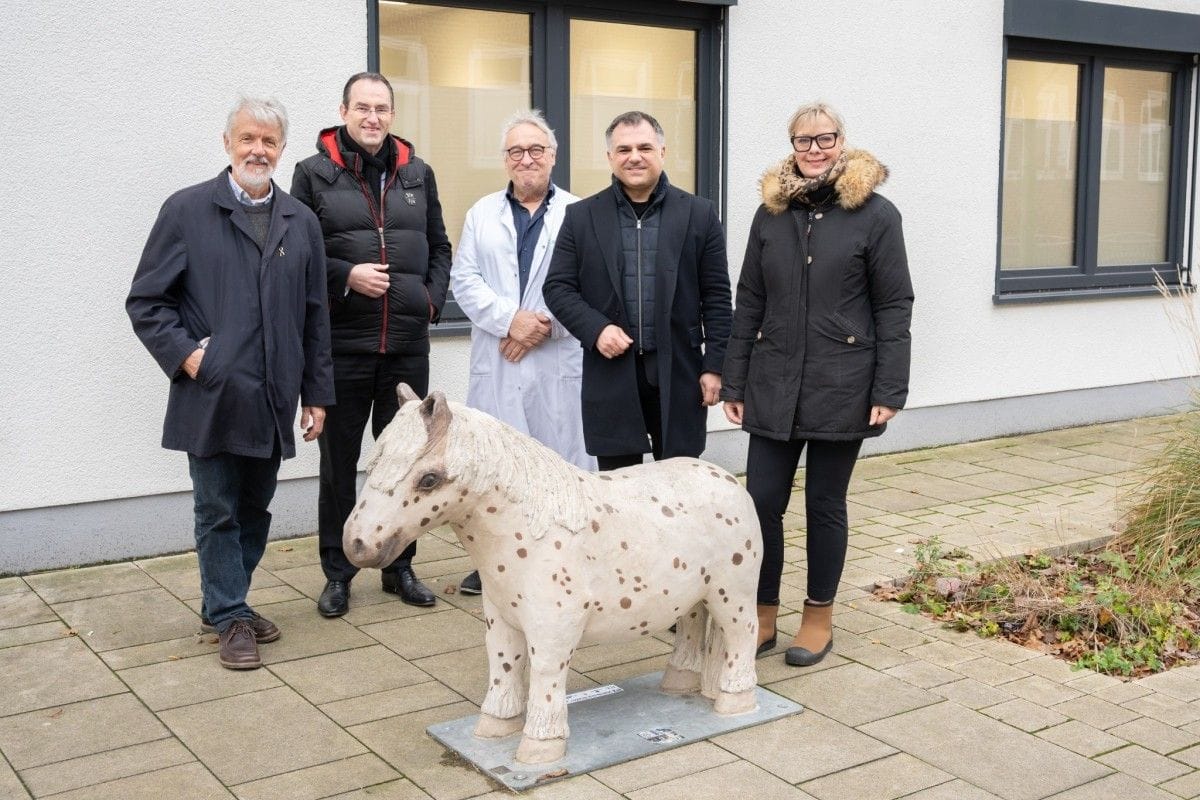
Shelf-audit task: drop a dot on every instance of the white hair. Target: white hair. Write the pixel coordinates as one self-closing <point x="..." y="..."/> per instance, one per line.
<point x="266" y="110"/>
<point x="532" y="117"/>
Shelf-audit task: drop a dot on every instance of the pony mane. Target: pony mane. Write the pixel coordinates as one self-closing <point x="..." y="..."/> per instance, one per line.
<point x="485" y="455"/>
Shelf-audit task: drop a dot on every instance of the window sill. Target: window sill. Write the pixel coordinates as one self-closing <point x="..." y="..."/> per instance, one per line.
<point x="443" y="330"/>
<point x="1095" y="293"/>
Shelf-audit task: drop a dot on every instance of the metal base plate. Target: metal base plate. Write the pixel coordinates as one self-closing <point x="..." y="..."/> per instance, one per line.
<point x="609" y="725"/>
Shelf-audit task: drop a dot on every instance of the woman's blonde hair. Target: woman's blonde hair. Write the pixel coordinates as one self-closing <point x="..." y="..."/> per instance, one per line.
<point x="811" y="110"/>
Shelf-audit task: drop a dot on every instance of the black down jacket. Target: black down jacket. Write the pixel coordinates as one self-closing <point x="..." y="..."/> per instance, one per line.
<point x="407" y="234"/>
<point x="824" y="304"/>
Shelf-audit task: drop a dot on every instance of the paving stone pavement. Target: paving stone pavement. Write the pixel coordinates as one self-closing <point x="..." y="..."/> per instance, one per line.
<point x="111" y="692"/>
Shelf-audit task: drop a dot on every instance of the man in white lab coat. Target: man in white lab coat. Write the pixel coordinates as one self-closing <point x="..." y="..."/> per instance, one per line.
<point x="525" y="366"/>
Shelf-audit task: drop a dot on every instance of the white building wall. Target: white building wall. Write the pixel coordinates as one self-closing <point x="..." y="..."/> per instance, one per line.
<point x="111" y="107"/>
<point x="919" y="84"/>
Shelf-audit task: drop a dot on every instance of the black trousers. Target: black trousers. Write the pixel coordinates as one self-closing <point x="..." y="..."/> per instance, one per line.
<point x="365" y="387"/>
<point x="650" y="402"/>
<point x="770" y="470"/>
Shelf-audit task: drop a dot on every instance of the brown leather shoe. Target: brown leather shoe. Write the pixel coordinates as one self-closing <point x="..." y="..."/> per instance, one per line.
<point x="264" y="630"/>
<point x="238" y="648"/>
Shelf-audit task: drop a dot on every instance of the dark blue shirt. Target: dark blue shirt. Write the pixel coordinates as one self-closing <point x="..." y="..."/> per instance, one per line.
<point x="529" y="227"/>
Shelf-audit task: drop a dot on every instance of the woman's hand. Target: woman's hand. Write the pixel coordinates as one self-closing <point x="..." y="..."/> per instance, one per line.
<point x="733" y="411"/>
<point x="881" y="414"/>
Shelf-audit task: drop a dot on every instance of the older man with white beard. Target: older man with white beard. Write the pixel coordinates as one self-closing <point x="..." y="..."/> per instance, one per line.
<point x="229" y="298"/>
<point x="525" y="366"/>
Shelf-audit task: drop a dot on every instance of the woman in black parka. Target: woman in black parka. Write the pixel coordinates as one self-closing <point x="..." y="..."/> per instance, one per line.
<point x="819" y="354"/>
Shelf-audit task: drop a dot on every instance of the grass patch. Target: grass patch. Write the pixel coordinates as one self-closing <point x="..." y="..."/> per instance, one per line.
<point x="1116" y="610"/>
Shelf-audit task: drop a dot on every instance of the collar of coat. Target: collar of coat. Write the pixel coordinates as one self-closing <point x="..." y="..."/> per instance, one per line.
<point x="327" y="143"/>
<point x="856" y="185"/>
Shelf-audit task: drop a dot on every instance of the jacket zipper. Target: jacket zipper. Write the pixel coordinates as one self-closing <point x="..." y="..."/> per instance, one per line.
<point x="641" y="337"/>
<point x="379" y="225"/>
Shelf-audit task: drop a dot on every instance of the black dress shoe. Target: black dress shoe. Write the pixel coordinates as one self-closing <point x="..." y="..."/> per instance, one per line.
<point x="408" y="586"/>
<point x="335" y="599"/>
<point x="471" y="584"/>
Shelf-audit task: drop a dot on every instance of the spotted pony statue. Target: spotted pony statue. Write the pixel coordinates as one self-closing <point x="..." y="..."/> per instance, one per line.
<point x="569" y="558"/>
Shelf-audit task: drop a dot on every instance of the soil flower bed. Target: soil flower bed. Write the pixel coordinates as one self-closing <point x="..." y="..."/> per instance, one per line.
<point x="1111" y="610"/>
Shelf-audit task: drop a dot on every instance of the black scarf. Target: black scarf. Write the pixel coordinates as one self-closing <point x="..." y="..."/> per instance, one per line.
<point x="374" y="167"/>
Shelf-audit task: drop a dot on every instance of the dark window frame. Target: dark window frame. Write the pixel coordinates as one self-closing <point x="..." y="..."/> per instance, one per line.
<point x="1077" y="31"/>
<point x="550" y="56"/>
<point x="1085" y="275"/>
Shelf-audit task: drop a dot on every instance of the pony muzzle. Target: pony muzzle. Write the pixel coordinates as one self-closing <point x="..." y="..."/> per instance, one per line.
<point x="374" y="549"/>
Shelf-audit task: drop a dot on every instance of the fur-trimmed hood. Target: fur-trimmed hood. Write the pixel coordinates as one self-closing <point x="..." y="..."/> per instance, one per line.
<point x="855" y="186"/>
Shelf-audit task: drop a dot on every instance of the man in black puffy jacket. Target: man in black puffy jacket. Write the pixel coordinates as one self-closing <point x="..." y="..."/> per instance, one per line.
<point x="388" y="268"/>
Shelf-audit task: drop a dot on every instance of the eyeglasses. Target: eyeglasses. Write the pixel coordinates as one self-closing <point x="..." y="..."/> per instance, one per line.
<point x="365" y="111"/>
<point x="518" y="153"/>
<point x="802" y="144"/>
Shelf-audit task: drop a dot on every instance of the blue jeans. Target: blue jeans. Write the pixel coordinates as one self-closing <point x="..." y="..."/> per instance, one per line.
<point x="232" y="522"/>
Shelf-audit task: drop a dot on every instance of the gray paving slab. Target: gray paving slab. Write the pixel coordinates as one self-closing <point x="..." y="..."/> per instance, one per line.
<point x="716" y="783"/>
<point x="935" y="735"/>
<point x="854" y="694"/>
<point x="89" y="582"/>
<point x="10" y="785"/>
<point x="322" y="780"/>
<point x="80" y="729"/>
<point x="347" y="674"/>
<point x="103" y="767"/>
<point x="18" y="609"/>
<point x="1183" y="786"/>
<point x="1081" y="738"/>
<point x="804" y="747"/>
<point x="186" y="681"/>
<point x="251" y="736"/>
<point x="192" y="781"/>
<point x="681" y="761"/>
<point x="1155" y="735"/>
<point x="1143" y="764"/>
<point x="52" y="673"/>
<point x="109" y="622"/>
<point x="888" y="778"/>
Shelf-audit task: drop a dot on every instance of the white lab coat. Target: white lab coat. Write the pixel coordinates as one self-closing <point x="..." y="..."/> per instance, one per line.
<point x="538" y="395"/>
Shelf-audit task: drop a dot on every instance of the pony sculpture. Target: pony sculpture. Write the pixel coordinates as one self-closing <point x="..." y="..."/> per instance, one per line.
<point x="569" y="558"/>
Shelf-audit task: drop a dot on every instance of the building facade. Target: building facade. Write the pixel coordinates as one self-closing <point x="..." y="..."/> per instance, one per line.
<point x="1041" y="151"/>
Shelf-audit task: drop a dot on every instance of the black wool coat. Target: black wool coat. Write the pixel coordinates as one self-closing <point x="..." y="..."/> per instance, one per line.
<point x="407" y="233"/>
<point x="584" y="291"/>
<point x="202" y="275"/>
<point x="824" y="306"/>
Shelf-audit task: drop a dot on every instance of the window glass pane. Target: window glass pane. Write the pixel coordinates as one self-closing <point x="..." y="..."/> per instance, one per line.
<point x="458" y="74"/>
<point x="617" y="68"/>
<point x="1135" y="154"/>
<point x="1041" y="134"/>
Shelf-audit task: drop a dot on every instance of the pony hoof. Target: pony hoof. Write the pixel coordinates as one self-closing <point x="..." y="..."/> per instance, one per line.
<point x="490" y="727"/>
<point x="540" y="751"/>
<point x="730" y="703"/>
<point x="680" y="681"/>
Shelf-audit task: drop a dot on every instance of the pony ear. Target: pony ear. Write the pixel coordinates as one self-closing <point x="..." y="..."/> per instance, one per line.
<point x="436" y="412"/>
<point x="404" y="393"/>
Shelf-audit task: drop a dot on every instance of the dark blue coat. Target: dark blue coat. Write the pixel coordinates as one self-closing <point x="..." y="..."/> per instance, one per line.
<point x="201" y="274"/>
<point x="584" y="291"/>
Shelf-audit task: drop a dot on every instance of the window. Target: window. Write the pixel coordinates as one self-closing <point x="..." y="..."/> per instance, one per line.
<point x="1093" y="195"/>
<point x="460" y="68"/>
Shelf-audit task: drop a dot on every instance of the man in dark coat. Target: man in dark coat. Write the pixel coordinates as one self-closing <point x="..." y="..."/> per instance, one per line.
<point x="389" y="266"/>
<point x="639" y="276"/>
<point x="229" y="298"/>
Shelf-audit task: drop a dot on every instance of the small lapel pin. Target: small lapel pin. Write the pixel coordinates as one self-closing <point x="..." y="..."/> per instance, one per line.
<point x="410" y="198"/>
<point x="281" y="253"/>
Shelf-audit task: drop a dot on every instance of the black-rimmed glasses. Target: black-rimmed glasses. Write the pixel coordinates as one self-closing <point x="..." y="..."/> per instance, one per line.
<point x="517" y="153"/>
<point x="802" y="144"/>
